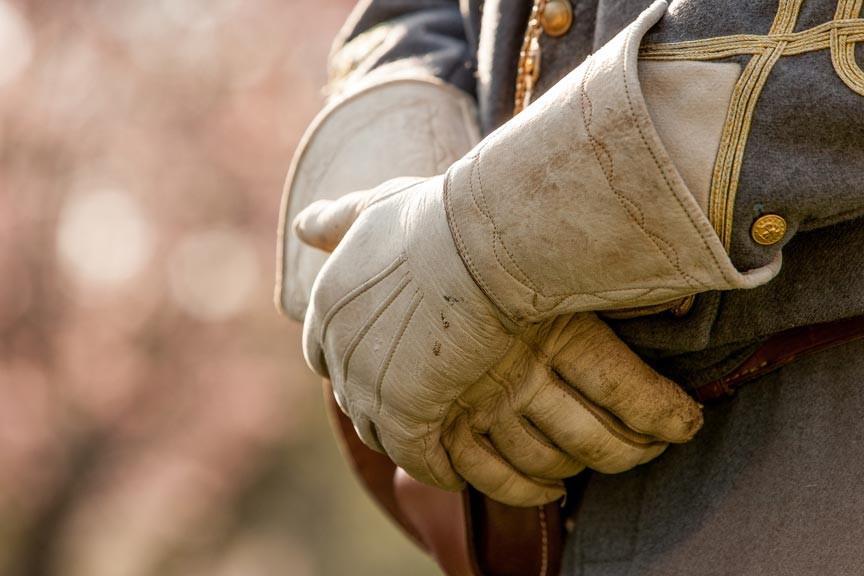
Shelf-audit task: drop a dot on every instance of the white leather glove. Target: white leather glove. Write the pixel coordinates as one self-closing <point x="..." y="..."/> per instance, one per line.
<point x="441" y="292"/>
<point x="559" y="396"/>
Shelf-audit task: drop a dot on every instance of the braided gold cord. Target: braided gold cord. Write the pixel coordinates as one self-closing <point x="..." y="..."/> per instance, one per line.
<point x="843" y="47"/>
<point x="839" y="35"/>
<point x="528" y="69"/>
<point x="811" y="40"/>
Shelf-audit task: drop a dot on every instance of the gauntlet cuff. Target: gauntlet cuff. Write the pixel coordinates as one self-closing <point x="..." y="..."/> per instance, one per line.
<point x="576" y="205"/>
<point x="403" y="127"/>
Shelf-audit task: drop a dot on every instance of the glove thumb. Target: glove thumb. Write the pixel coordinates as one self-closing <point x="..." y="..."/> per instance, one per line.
<point x="324" y="223"/>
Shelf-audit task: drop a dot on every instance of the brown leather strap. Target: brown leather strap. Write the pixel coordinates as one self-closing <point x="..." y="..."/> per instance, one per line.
<point x="465" y="532"/>
<point x="510" y="541"/>
<point x="780" y="350"/>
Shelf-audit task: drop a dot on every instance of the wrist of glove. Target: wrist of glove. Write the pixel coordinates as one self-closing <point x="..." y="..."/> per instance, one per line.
<point x="575" y="204"/>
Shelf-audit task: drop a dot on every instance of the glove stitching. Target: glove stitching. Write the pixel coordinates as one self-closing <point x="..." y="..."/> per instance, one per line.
<point x="533" y="433"/>
<point x="496" y="233"/>
<point x="662" y="246"/>
<point x="705" y="242"/>
<point x="587" y="113"/>
<point x="371" y="321"/>
<point x="426" y="437"/>
<point x="476" y="274"/>
<point x="461" y="247"/>
<point x="356" y="292"/>
<point x="394" y="346"/>
<point x="517" y="412"/>
<point x="479" y="443"/>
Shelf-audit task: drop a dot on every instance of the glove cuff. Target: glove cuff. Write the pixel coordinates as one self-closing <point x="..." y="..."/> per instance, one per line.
<point x="413" y="126"/>
<point x="576" y="205"/>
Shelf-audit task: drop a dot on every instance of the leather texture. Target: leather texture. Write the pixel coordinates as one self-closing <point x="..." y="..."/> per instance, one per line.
<point x="687" y="102"/>
<point x="575" y="204"/>
<point x="466" y="533"/>
<point x="485" y="411"/>
<point x="408" y="126"/>
<point x="428" y="372"/>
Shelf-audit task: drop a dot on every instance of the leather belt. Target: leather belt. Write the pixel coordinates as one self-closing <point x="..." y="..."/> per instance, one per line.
<point x="469" y="534"/>
<point x="779" y="350"/>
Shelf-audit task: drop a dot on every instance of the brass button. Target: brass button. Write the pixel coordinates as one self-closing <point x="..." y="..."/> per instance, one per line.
<point x="768" y="229"/>
<point x="557" y="17"/>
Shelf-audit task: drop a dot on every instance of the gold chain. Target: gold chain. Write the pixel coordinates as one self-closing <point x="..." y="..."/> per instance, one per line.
<point x="528" y="70"/>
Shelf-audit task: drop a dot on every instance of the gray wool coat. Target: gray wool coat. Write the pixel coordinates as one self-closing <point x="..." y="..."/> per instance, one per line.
<point x="774" y="483"/>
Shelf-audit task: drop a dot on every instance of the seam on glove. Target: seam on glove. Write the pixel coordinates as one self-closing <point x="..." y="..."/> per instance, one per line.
<point x="534" y="433"/>
<point x="705" y="242"/>
<point x="489" y="450"/>
<point x="525" y="422"/>
<point x="526" y="283"/>
<point x="394" y="346"/>
<point x="496" y="233"/>
<point x="370" y="322"/>
<point x="587" y="113"/>
<point x="461" y="247"/>
<point x="429" y="467"/>
<point x="356" y="292"/>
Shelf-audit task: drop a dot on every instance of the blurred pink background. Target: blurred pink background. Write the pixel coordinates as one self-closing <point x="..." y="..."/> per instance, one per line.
<point x="156" y="417"/>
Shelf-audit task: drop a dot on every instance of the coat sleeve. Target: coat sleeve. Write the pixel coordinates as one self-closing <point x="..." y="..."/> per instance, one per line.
<point x="383" y="39"/>
<point x="790" y="158"/>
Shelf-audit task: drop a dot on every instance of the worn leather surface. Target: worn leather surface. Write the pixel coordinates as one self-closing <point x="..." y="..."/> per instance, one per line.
<point x="487" y="418"/>
<point x="467" y="533"/>
<point x="420" y="360"/>
<point x="576" y="205"/>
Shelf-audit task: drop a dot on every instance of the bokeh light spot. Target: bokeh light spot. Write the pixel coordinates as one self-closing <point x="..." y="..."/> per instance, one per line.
<point x="103" y="237"/>
<point x="213" y="274"/>
<point x="16" y="44"/>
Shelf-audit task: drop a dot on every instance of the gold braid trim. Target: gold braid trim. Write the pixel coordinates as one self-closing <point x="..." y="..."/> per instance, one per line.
<point x="843" y="47"/>
<point x="528" y="68"/>
<point x="839" y="35"/>
<point x="816" y="38"/>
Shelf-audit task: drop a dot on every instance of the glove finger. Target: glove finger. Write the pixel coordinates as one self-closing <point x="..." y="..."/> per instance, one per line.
<point x="529" y="450"/>
<point x="324" y="223"/>
<point x="420" y="454"/>
<point x="313" y="352"/>
<point x="368" y="433"/>
<point x="482" y="467"/>
<point x="607" y="372"/>
<point x="587" y="432"/>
